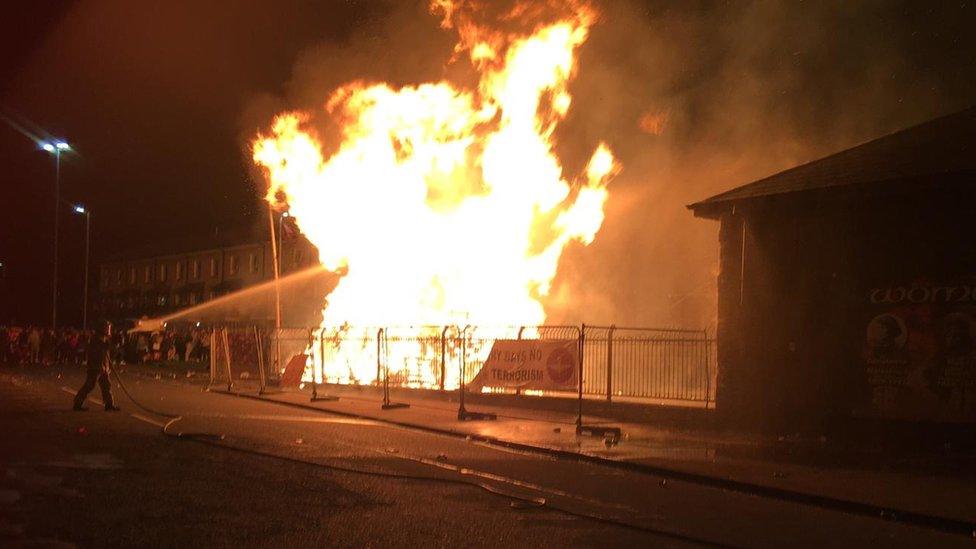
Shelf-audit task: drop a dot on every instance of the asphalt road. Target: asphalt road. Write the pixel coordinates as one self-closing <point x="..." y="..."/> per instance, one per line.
<point x="249" y="473"/>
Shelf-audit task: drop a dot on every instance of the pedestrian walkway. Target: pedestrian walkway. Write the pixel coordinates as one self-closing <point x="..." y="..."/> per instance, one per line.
<point x="941" y="486"/>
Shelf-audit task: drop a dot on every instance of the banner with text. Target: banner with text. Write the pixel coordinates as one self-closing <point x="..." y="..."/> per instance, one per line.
<point x="919" y="350"/>
<point x="530" y="364"/>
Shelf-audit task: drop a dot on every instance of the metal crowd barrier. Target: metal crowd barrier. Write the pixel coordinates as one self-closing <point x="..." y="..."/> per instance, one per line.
<point x="622" y="363"/>
<point x="237" y="357"/>
<point x="648" y="363"/>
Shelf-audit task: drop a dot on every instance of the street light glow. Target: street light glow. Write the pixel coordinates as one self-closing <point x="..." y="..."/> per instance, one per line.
<point x="79" y="208"/>
<point x="56" y="146"/>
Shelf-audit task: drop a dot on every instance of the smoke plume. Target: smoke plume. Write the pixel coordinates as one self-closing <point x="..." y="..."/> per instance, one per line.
<point x="694" y="98"/>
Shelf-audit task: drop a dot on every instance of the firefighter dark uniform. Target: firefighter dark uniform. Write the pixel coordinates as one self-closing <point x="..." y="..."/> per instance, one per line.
<point x="99" y="362"/>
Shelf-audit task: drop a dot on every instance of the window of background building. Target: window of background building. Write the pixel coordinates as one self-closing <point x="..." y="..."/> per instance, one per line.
<point x="148" y="274"/>
<point x="213" y="266"/>
<point x="195" y="269"/>
<point x="252" y="263"/>
<point x="162" y="273"/>
<point x="233" y="264"/>
<point x="132" y="275"/>
<point x="179" y="270"/>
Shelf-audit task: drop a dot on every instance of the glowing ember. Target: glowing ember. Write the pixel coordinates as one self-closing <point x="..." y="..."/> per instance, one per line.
<point x="442" y="205"/>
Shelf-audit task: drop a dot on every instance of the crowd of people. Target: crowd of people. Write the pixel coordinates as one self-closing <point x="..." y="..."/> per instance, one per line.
<point x="33" y="345"/>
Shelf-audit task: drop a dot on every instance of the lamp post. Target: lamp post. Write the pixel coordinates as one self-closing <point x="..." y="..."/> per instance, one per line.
<point x="274" y="262"/>
<point x="55" y="148"/>
<point x="279" y="270"/>
<point x="84" y="310"/>
<point x="281" y="241"/>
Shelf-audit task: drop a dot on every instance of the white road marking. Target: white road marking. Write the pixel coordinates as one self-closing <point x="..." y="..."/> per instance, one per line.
<point x="148" y="420"/>
<point x="91" y="398"/>
<point x="466" y="471"/>
<point x="140" y="417"/>
<point x="296" y="419"/>
<point x="262" y="417"/>
<point x="516" y="451"/>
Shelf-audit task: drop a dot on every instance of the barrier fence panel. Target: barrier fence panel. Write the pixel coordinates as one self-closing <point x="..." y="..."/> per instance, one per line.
<point x="237" y="356"/>
<point x="346" y="355"/>
<point x="597" y="353"/>
<point x="217" y="359"/>
<point x="418" y="356"/>
<point x="478" y="342"/>
<point x="280" y="347"/>
<point x="667" y="364"/>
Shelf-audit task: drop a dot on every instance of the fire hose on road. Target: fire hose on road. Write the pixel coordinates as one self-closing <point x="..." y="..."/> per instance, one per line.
<point x="471" y="476"/>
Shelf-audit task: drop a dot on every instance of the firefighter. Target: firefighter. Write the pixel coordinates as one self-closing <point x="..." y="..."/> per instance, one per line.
<point x="99" y="363"/>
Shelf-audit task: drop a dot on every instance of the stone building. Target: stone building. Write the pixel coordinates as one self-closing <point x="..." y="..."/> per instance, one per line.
<point x="847" y="286"/>
<point x="155" y="285"/>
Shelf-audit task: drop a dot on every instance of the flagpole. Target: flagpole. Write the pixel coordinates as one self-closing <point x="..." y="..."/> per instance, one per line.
<point x="274" y="258"/>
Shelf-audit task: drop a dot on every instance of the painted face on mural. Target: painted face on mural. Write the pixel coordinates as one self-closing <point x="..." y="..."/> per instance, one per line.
<point x="886" y="335"/>
<point x="960" y="332"/>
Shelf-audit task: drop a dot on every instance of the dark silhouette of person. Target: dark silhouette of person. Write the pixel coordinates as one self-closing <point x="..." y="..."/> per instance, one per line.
<point x="886" y="346"/>
<point x="99" y="364"/>
<point x="4" y="346"/>
<point x="959" y="341"/>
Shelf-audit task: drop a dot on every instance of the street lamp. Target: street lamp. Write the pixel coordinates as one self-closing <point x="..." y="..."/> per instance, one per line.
<point x="56" y="147"/>
<point x="281" y="241"/>
<point x="275" y="262"/>
<point x="79" y="209"/>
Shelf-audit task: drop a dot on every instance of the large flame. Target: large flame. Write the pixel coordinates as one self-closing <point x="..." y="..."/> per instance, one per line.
<point x="444" y="205"/>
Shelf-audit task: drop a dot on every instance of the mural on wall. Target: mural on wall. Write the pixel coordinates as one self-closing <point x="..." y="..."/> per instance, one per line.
<point x="919" y="351"/>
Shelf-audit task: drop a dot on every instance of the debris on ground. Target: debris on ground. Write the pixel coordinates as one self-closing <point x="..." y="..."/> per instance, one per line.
<point x="523" y="504"/>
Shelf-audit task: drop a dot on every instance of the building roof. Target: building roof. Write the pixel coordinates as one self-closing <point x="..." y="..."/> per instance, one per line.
<point x="940" y="146"/>
<point x="182" y="244"/>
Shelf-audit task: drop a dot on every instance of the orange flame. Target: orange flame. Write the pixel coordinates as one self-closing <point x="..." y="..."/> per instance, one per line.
<point x="445" y="205"/>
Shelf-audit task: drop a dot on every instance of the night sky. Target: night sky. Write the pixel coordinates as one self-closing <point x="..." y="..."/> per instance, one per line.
<point x="150" y="96"/>
<point x="159" y="99"/>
